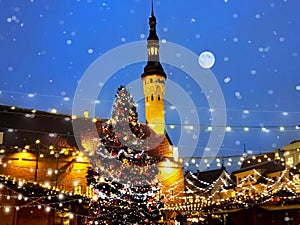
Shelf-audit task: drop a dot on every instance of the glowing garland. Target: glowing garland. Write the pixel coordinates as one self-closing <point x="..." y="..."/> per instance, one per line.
<point x="241" y="199"/>
<point x="5" y="182"/>
<point x="118" y="172"/>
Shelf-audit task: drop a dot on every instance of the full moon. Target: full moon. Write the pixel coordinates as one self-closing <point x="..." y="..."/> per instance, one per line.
<point x="206" y="60"/>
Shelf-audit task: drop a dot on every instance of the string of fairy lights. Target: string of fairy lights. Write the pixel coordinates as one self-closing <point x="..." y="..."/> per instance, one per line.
<point x="269" y="193"/>
<point x="243" y="184"/>
<point x="206" y="128"/>
<point x="71" y="99"/>
<point x="188" y="162"/>
<point x="29" y="199"/>
<point x="248" y="184"/>
<point x="282" y="183"/>
<point x="53" y="194"/>
<point x="198" y="199"/>
<point x="31" y="114"/>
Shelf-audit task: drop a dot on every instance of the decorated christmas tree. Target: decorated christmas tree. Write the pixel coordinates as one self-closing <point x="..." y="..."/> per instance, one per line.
<point x="123" y="174"/>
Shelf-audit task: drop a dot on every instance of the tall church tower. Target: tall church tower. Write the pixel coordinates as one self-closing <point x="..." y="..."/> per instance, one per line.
<point x="154" y="79"/>
<point x="171" y="171"/>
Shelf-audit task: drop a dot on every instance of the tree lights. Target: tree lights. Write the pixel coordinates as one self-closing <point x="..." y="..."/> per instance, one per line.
<point x="122" y="172"/>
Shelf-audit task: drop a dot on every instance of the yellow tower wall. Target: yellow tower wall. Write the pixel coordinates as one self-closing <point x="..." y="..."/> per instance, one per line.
<point x="154" y="90"/>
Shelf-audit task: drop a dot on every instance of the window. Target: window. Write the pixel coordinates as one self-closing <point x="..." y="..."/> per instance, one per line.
<point x="147" y="98"/>
<point x="158" y="97"/>
<point x="60" y="187"/>
<point x="89" y="191"/>
<point x="151" y="80"/>
<point x="152" y="50"/>
<point x="78" y="190"/>
<point x="61" y="218"/>
<point x="239" y="180"/>
<point x="152" y="97"/>
<point x="290" y="161"/>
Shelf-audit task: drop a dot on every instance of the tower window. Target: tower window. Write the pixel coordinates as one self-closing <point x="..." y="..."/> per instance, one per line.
<point x="152" y="97"/>
<point x="151" y="80"/>
<point x="158" y="97"/>
<point x="153" y="51"/>
<point x="147" y="99"/>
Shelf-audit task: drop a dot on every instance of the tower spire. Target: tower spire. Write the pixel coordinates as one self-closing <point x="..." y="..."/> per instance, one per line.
<point x="152" y="11"/>
<point x="153" y="65"/>
<point x="152" y="24"/>
<point x="154" y="81"/>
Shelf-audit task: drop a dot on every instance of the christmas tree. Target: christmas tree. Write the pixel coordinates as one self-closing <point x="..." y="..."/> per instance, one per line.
<point x="123" y="174"/>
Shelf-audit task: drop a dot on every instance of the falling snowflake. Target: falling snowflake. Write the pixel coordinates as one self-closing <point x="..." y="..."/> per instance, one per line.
<point x="238" y="95"/>
<point x="193" y="20"/>
<point x="226" y="59"/>
<point x="197" y="36"/>
<point x="227" y="80"/>
<point x="257" y="16"/>
<point x="235" y="15"/>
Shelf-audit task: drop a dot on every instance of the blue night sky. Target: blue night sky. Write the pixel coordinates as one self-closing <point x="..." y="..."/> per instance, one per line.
<point x="46" y="47"/>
